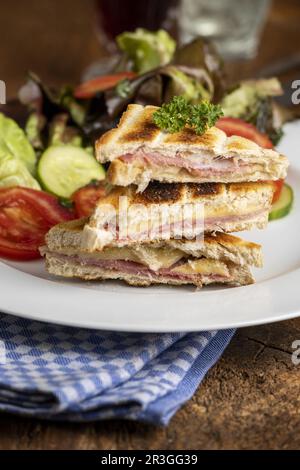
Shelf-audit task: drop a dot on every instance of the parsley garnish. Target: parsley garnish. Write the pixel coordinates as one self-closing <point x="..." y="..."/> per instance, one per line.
<point x="174" y="116"/>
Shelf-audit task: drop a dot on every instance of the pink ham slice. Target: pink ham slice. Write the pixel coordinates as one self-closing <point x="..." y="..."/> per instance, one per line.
<point x="210" y="224"/>
<point x="216" y="165"/>
<point x="136" y="269"/>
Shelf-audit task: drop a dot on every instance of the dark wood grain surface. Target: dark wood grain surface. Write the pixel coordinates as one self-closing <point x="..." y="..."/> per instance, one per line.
<point x="250" y="399"/>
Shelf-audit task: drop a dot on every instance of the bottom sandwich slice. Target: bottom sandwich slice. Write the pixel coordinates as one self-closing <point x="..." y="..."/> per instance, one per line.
<point x="219" y="259"/>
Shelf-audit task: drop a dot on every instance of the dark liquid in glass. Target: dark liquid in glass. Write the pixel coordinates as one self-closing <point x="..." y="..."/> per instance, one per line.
<point x="116" y="16"/>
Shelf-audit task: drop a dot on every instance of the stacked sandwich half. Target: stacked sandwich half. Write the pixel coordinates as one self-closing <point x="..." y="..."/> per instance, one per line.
<point x="128" y="237"/>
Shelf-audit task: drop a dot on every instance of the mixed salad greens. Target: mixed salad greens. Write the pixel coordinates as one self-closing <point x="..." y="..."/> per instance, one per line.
<point x="54" y="153"/>
<point x="147" y="50"/>
<point x="252" y="101"/>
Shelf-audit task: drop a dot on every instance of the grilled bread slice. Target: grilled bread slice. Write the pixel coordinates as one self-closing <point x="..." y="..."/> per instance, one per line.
<point x="165" y="211"/>
<point x="218" y="259"/>
<point x="66" y="238"/>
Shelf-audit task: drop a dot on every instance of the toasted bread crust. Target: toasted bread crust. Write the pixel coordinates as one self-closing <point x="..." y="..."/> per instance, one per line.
<point x="144" y="130"/>
<point x="226" y="238"/>
<point x="210" y="140"/>
<point x="158" y="193"/>
<point x="136" y="127"/>
<point x="206" y="190"/>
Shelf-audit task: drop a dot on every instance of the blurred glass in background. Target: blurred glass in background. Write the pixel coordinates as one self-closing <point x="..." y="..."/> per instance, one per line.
<point x="233" y="25"/>
<point x="113" y="17"/>
<point x="116" y="16"/>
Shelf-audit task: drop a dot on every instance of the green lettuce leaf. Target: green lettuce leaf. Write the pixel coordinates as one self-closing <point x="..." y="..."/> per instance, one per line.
<point x="147" y="50"/>
<point x="14" y="141"/>
<point x="252" y="101"/>
<point x="13" y="172"/>
<point x="247" y="96"/>
<point x="182" y="84"/>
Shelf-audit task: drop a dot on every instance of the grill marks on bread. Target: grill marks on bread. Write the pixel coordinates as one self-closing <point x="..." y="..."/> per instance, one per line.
<point x="158" y="193"/>
<point x="206" y="189"/>
<point x="171" y="193"/>
<point x="212" y="138"/>
<point x="143" y="131"/>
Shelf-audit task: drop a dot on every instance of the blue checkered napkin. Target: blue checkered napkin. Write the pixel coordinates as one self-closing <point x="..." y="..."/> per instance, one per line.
<point x="58" y="372"/>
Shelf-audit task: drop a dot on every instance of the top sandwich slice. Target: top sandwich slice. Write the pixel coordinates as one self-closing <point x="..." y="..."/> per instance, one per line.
<point x="176" y="211"/>
<point x="219" y="258"/>
<point x="140" y="152"/>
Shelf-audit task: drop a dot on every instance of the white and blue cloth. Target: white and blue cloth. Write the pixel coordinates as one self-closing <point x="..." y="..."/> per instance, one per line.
<point x="63" y="373"/>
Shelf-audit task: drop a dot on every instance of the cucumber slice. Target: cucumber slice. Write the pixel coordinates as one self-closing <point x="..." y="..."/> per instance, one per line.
<point x="283" y="206"/>
<point x="64" y="169"/>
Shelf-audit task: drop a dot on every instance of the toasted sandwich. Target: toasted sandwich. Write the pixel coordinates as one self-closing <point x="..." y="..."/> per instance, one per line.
<point x="140" y="152"/>
<point x="125" y="217"/>
<point x="220" y="258"/>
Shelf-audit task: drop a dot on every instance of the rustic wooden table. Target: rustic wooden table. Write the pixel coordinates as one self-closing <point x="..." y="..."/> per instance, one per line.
<point x="250" y="399"/>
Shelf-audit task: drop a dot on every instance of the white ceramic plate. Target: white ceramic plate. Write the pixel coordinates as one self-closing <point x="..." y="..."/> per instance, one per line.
<point x="28" y="291"/>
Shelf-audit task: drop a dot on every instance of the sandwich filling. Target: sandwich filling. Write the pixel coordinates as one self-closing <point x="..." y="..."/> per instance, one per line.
<point x="188" y="271"/>
<point x="143" y="166"/>
<point x="216" y="259"/>
<point x="98" y="237"/>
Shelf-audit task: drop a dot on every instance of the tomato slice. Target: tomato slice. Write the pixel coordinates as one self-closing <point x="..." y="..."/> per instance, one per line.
<point x="91" y="87"/>
<point x="26" y="215"/>
<point x="234" y="126"/>
<point x="278" y="185"/>
<point x="86" y="198"/>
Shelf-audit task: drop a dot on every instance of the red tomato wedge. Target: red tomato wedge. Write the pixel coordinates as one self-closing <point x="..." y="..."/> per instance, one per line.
<point x="86" y="198"/>
<point x="278" y="185"/>
<point x="234" y="126"/>
<point x="91" y="87"/>
<point x="26" y="215"/>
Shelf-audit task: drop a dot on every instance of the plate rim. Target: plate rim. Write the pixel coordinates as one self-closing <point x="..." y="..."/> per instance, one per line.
<point x="290" y="278"/>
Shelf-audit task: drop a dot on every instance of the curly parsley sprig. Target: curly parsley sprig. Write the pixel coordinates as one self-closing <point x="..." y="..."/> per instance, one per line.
<point x="174" y="116"/>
